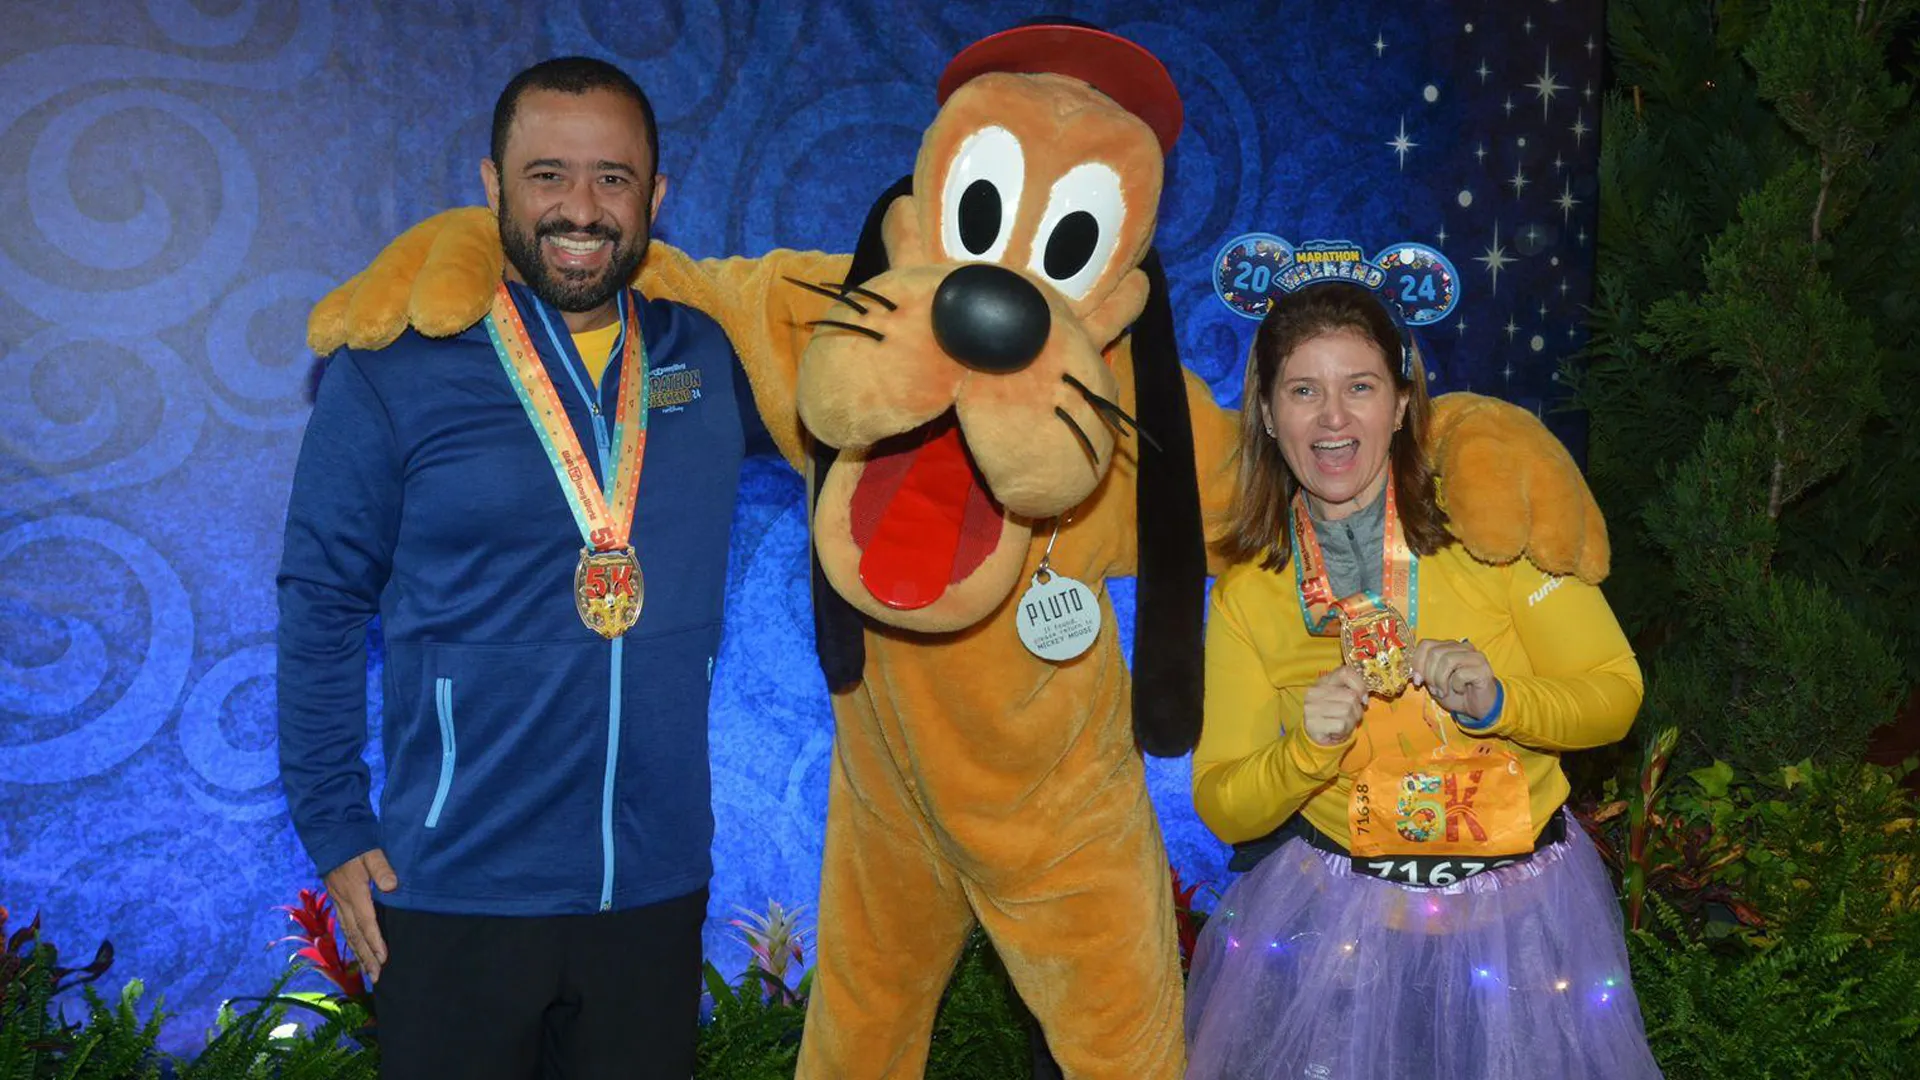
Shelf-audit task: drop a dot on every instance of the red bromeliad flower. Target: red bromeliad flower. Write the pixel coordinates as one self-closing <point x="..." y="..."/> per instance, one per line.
<point x="1184" y="919"/>
<point x="321" y="948"/>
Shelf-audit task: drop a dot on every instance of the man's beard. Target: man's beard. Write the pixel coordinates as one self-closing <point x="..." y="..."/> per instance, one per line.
<point x="570" y="290"/>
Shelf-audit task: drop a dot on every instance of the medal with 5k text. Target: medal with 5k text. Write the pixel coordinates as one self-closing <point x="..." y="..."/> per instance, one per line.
<point x="608" y="589"/>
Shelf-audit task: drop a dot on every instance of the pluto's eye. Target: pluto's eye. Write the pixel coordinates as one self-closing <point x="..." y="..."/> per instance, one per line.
<point x="979" y="217"/>
<point x="1070" y="248"/>
<point x="981" y="196"/>
<point x="1080" y="228"/>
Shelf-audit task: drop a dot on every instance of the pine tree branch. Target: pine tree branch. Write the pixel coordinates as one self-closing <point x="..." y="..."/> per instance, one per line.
<point x="1775" y="495"/>
<point x="1776" y="492"/>
<point x="1820" y="204"/>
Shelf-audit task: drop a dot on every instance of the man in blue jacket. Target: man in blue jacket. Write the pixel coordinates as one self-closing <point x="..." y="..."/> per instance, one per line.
<point x="547" y="557"/>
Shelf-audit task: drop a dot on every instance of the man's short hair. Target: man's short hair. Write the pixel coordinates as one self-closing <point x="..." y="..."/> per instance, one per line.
<point x="569" y="75"/>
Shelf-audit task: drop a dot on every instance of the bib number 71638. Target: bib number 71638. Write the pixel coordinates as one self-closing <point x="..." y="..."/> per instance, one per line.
<point x="1427" y="871"/>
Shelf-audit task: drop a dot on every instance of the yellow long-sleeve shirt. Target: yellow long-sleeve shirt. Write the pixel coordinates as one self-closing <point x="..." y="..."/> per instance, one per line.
<point x="1570" y="682"/>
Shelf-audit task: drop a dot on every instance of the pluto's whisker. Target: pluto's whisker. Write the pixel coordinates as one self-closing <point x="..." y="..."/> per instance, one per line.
<point x="1110" y="410"/>
<point x="866" y="292"/>
<point x="1093" y="456"/>
<point x="830" y="294"/>
<point x="855" y="327"/>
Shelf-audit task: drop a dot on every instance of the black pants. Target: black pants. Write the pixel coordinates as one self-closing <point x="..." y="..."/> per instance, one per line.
<point x="567" y="997"/>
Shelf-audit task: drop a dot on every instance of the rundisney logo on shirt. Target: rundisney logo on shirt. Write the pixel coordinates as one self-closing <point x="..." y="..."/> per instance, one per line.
<point x="1545" y="590"/>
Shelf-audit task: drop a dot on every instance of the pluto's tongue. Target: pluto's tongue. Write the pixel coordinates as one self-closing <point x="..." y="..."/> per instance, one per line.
<point x="915" y="502"/>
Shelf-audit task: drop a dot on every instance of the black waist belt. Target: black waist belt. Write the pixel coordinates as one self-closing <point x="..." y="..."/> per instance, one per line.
<point x="1247" y="854"/>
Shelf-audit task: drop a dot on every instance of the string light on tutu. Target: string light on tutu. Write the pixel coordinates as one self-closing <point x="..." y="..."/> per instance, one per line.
<point x="1287" y="945"/>
<point x="1607" y="987"/>
<point x="1602" y="994"/>
<point x="1486" y="977"/>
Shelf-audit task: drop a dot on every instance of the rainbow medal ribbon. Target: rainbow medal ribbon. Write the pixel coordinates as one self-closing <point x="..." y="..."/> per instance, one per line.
<point x="1376" y="639"/>
<point x="608" y="589"/>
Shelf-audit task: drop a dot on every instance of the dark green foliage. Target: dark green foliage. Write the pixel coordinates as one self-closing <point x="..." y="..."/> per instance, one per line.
<point x="111" y="1043"/>
<point x="981" y="1030"/>
<point x="1820" y="1003"/>
<point x="1829" y="983"/>
<point x="1753" y="365"/>
<point x="36" y="1040"/>
<point x="244" y="1046"/>
<point x="1839" y="846"/>
<point x="749" y="1037"/>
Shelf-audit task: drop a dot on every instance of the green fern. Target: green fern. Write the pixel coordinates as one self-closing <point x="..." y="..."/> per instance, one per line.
<point x="981" y="1031"/>
<point x="1830" y="984"/>
<point x="749" y="1037"/>
<point x="1820" y="1002"/>
<point x="256" y="1044"/>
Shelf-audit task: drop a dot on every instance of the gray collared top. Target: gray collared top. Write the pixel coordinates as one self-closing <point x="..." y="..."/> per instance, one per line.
<point x="1351" y="546"/>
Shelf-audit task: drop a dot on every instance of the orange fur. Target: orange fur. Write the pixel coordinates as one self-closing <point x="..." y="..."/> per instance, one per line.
<point x="976" y="781"/>
<point x="1512" y="489"/>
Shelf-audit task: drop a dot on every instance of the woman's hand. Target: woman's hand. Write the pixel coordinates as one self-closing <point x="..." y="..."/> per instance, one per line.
<point x="1334" y="704"/>
<point x="1457" y="676"/>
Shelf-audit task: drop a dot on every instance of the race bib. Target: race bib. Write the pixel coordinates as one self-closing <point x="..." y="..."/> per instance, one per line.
<point x="1467" y="802"/>
<point x="1429" y="871"/>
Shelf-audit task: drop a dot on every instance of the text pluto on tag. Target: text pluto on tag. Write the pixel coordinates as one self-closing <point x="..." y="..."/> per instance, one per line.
<point x="1057" y="606"/>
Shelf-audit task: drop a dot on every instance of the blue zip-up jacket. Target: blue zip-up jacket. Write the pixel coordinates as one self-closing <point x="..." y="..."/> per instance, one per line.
<point x="532" y="767"/>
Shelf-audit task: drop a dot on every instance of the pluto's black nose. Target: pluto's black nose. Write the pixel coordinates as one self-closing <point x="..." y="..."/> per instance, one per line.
<point x="990" y="318"/>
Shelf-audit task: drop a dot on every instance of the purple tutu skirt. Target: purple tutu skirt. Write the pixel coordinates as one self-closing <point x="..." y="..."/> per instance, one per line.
<point x="1309" y="971"/>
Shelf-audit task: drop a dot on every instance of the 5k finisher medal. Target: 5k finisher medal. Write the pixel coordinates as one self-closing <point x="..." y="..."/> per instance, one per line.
<point x="1376" y="632"/>
<point x="607" y="586"/>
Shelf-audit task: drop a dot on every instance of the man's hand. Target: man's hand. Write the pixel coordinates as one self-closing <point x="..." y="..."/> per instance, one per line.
<point x="347" y="884"/>
<point x="1334" y="705"/>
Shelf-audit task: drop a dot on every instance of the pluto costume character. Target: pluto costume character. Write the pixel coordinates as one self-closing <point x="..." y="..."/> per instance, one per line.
<point x="963" y="394"/>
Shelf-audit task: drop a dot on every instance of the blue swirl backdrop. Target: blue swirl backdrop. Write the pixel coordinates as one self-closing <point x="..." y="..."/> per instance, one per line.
<point x="186" y="180"/>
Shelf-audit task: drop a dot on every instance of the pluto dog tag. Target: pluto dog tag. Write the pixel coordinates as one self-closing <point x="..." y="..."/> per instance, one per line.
<point x="1058" y="617"/>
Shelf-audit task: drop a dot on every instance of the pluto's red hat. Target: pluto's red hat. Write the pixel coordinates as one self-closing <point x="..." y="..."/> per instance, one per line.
<point x="1118" y="68"/>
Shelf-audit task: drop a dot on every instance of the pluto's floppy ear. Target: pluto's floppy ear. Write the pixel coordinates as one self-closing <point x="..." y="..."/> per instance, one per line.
<point x="1171" y="589"/>
<point x="838" y="629"/>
